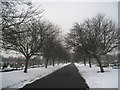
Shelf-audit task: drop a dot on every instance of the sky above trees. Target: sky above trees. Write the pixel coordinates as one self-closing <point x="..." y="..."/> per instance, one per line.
<point x="65" y="13"/>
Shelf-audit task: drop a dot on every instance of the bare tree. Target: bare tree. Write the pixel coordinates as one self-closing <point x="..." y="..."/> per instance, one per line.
<point x="97" y="36"/>
<point x="50" y="42"/>
<point x="26" y="38"/>
<point x="53" y="49"/>
<point x="20" y="30"/>
<point x="61" y="54"/>
<point x="16" y="12"/>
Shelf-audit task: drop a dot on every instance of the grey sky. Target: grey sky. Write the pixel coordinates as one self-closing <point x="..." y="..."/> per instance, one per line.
<point x="65" y="14"/>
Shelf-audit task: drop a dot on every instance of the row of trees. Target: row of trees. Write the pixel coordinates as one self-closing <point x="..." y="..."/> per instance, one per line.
<point x="93" y="38"/>
<point x="25" y="32"/>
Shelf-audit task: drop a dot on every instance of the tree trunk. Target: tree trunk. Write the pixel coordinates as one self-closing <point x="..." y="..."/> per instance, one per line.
<point x="100" y="65"/>
<point x="84" y="62"/>
<point x="58" y="61"/>
<point x="26" y="65"/>
<point x="67" y="61"/>
<point x="46" y="63"/>
<point x="53" y="62"/>
<point x="108" y="61"/>
<point x="90" y="63"/>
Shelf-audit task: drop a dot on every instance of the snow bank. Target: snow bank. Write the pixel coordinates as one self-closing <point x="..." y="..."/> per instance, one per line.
<point x="109" y="79"/>
<point x="18" y="79"/>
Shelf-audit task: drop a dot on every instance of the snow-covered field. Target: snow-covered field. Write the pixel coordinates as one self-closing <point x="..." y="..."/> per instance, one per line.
<point x="18" y="79"/>
<point x="108" y="79"/>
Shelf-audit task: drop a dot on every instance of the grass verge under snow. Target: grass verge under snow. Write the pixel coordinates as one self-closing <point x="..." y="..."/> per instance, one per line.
<point x="108" y="79"/>
<point x="18" y="79"/>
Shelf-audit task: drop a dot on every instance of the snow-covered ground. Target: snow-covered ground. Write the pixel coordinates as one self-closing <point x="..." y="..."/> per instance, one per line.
<point x="18" y="79"/>
<point x="108" y="79"/>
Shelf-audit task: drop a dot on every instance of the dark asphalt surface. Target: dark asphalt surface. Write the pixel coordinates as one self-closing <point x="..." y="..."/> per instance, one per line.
<point x="66" y="77"/>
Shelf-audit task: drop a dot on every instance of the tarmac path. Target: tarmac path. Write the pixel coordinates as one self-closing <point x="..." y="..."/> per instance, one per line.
<point x="66" y="77"/>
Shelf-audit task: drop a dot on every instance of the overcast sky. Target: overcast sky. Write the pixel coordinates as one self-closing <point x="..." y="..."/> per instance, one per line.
<point x="65" y="14"/>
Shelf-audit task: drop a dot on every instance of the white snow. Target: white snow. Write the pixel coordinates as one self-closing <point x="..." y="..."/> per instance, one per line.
<point x="18" y="79"/>
<point x="108" y="79"/>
